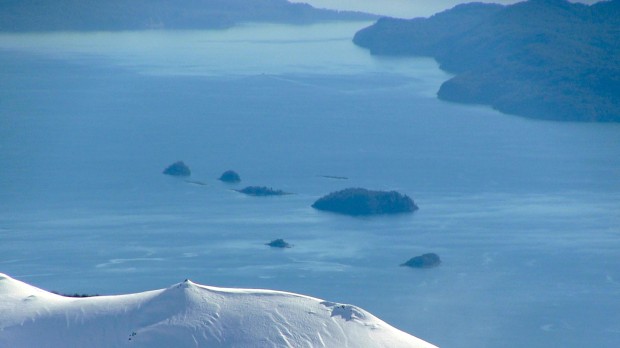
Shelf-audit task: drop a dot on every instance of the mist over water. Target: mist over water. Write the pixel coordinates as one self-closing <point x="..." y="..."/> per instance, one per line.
<point x="523" y="213"/>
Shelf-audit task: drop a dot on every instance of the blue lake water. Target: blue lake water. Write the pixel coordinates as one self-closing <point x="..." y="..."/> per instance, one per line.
<point x="524" y="214"/>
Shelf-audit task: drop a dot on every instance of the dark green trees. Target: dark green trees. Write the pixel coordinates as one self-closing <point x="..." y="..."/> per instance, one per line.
<point x="359" y="201"/>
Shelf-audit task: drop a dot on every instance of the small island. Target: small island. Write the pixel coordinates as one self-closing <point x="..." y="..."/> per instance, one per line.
<point x="196" y="182"/>
<point x="279" y="243"/>
<point x="423" y="261"/>
<point x="230" y="176"/>
<point x="261" y="191"/>
<point x="335" y="177"/>
<point x="359" y="201"/>
<point x="178" y="169"/>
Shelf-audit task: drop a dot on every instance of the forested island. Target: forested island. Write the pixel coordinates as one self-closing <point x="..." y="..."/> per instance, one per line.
<point x="230" y="176"/>
<point x="545" y="59"/>
<point x="360" y="201"/>
<point x="91" y="15"/>
<point x="279" y="243"/>
<point x="178" y="168"/>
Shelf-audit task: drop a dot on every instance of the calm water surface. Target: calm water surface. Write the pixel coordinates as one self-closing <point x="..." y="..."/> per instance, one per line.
<point x="524" y="213"/>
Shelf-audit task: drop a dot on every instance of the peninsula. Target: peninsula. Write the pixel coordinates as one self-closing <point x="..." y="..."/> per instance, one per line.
<point x="544" y="59"/>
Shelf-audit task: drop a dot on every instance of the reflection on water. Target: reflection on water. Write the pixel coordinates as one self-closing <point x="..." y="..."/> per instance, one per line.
<point x="524" y="214"/>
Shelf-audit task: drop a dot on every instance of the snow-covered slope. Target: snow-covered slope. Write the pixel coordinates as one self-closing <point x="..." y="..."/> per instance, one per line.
<point x="187" y="315"/>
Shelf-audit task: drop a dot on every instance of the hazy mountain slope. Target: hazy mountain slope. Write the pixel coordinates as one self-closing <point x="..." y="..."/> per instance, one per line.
<point x="546" y="59"/>
<point x="187" y="315"/>
<point x="43" y="15"/>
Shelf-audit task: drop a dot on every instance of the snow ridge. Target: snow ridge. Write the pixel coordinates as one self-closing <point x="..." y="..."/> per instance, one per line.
<point x="188" y="315"/>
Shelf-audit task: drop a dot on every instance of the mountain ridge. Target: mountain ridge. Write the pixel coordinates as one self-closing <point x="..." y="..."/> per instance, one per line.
<point x="187" y="314"/>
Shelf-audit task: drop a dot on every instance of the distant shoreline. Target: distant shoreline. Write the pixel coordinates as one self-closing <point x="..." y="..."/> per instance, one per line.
<point x="117" y="15"/>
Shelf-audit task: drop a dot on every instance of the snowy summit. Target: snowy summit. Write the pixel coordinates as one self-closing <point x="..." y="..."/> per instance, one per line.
<point x="188" y="315"/>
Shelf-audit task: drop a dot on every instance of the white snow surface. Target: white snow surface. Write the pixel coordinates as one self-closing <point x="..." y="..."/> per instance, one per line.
<point x="188" y="315"/>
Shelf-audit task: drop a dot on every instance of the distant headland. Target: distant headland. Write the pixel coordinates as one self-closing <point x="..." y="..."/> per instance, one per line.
<point x="544" y="59"/>
<point x="94" y="15"/>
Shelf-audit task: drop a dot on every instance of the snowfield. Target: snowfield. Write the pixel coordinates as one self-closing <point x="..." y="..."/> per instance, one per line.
<point x="188" y="315"/>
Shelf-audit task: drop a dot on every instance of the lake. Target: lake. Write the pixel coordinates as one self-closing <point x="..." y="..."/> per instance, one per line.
<point x="523" y="213"/>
